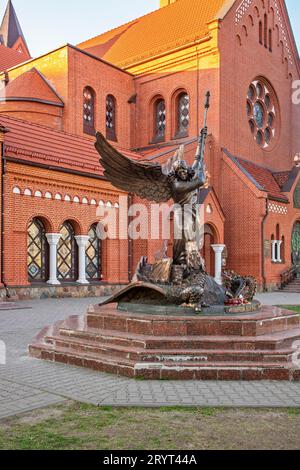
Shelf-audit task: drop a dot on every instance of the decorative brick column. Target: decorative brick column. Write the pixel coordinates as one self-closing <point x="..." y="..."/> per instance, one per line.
<point x="53" y="239"/>
<point x="218" y="249"/>
<point x="82" y="241"/>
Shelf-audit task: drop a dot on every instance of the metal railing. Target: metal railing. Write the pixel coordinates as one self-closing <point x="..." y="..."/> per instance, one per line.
<point x="288" y="276"/>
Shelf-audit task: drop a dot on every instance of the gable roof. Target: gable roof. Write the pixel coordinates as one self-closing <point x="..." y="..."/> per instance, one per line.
<point x="10" y="57"/>
<point x="39" y="145"/>
<point x="263" y="178"/>
<point x="10" y="29"/>
<point x="177" y="24"/>
<point x="31" y="86"/>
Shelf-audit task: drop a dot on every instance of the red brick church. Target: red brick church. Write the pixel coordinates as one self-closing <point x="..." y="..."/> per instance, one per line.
<point x="143" y="86"/>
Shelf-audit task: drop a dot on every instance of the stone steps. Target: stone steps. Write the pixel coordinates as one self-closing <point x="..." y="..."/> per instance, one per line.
<point x="292" y="287"/>
<point x="256" y="346"/>
<point x="173" y="370"/>
<point x="272" y="342"/>
<point x="171" y="355"/>
<point x="268" y="320"/>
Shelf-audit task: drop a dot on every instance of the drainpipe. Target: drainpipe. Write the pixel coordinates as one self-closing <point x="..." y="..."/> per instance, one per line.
<point x="263" y="223"/>
<point x="3" y="173"/>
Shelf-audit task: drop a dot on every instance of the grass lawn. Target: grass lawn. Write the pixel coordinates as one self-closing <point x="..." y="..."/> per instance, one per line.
<point x="77" y="426"/>
<point x="295" y="308"/>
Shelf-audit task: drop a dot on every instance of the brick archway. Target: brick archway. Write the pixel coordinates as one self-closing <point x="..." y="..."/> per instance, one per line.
<point x="210" y="238"/>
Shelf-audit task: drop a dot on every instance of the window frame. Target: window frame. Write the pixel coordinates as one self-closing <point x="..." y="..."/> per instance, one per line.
<point x="44" y="252"/>
<point x="74" y="256"/>
<point x="111" y="133"/>
<point x="89" y="127"/>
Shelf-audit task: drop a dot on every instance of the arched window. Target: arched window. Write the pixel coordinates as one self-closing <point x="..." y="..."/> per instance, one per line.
<point x="89" y="111"/>
<point x="67" y="254"/>
<point x="270" y="40"/>
<point x="37" y="251"/>
<point x="183" y="115"/>
<point x="159" y="120"/>
<point x="266" y="30"/>
<point x="296" y="244"/>
<point x="260" y="33"/>
<point x="93" y="255"/>
<point x="111" y="108"/>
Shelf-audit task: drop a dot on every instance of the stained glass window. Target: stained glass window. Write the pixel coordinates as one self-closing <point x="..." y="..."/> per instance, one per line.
<point x="111" y="118"/>
<point x="259" y="114"/>
<point x="160" y="120"/>
<point x="37" y="251"/>
<point x="262" y="110"/>
<point x="89" y="110"/>
<point x="67" y="254"/>
<point x="93" y="256"/>
<point x="296" y="244"/>
<point x="183" y="114"/>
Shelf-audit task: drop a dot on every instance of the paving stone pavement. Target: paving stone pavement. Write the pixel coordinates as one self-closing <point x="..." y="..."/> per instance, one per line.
<point x="27" y="384"/>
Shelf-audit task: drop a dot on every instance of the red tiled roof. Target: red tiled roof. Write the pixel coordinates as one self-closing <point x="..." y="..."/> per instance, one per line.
<point x="264" y="177"/>
<point x="10" y="57"/>
<point x="281" y="177"/>
<point x="43" y="145"/>
<point x="175" y="25"/>
<point x="31" y="85"/>
<point x="163" y="152"/>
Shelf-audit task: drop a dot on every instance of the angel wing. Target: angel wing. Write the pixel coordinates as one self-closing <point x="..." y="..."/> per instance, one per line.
<point x="146" y="180"/>
<point x="179" y="155"/>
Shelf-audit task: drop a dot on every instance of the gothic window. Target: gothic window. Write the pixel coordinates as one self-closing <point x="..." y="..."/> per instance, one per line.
<point x="37" y="251"/>
<point x="93" y="255"/>
<point x="111" y="118"/>
<point x="296" y="244"/>
<point x="67" y="254"/>
<point x="266" y="30"/>
<point x="260" y="33"/>
<point x="160" y="120"/>
<point x="262" y="110"/>
<point x="270" y="40"/>
<point x="89" y="111"/>
<point x="183" y="115"/>
<point x="297" y="196"/>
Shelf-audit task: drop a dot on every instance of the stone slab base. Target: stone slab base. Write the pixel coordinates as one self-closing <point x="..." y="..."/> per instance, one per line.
<point x="63" y="291"/>
<point x="257" y="346"/>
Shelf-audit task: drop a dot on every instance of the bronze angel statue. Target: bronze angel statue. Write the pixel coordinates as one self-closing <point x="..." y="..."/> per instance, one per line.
<point x="175" y="181"/>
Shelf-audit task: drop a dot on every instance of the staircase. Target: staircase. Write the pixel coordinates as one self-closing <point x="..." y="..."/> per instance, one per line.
<point x="257" y="346"/>
<point x="290" y="281"/>
<point x="293" y="287"/>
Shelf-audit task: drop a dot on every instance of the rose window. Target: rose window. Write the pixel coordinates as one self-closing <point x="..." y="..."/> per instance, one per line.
<point x="261" y="112"/>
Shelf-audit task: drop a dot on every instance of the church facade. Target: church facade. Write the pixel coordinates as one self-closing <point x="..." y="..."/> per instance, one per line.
<point x="143" y="86"/>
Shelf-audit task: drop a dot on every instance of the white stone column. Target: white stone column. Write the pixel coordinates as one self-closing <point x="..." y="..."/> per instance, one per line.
<point x="218" y="249"/>
<point x="53" y="239"/>
<point x="82" y="241"/>
<point x="279" y="243"/>
<point x="273" y="244"/>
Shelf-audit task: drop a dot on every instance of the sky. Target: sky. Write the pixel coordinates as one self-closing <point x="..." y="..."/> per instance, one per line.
<point x="49" y="24"/>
